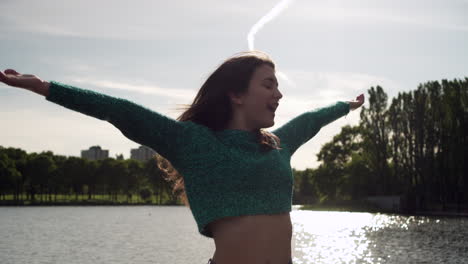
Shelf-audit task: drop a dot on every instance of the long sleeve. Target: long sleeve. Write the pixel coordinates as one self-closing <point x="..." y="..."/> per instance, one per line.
<point x="136" y="122"/>
<point x="303" y="127"/>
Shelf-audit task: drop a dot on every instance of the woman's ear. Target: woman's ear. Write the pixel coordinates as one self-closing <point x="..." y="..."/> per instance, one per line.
<point x="236" y="98"/>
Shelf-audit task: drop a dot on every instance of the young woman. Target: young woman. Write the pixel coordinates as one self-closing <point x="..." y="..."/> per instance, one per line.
<point x="235" y="177"/>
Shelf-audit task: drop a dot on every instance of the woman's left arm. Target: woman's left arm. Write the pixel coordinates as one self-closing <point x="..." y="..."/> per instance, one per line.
<point x="305" y="126"/>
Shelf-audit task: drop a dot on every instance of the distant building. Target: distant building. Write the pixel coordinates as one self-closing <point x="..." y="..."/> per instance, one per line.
<point x="95" y="153"/>
<point x="142" y="153"/>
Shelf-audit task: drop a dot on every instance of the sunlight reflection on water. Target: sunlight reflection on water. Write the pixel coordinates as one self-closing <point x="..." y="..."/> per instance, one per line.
<point x="344" y="237"/>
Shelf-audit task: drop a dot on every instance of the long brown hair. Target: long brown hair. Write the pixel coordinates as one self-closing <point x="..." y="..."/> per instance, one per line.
<point x="211" y="106"/>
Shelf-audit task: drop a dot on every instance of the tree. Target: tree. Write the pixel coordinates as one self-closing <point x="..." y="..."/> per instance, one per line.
<point x="9" y="175"/>
<point x="375" y="132"/>
<point x="19" y="158"/>
<point x="75" y="175"/>
<point x="57" y="180"/>
<point x="330" y="176"/>
<point x="135" y="171"/>
<point x="307" y="188"/>
<point x="155" y="177"/>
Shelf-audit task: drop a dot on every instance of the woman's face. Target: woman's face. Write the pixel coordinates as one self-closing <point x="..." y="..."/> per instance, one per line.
<point x="259" y="103"/>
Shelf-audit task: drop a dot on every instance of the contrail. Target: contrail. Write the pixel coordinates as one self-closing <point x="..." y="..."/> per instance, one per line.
<point x="274" y="12"/>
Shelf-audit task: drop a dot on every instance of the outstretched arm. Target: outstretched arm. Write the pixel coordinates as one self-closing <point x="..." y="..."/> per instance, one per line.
<point x="136" y="122"/>
<point x="303" y="127"/>
<point x="26" y="81"/>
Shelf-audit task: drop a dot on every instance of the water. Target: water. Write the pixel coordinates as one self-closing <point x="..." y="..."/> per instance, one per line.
<point x="343" y="237"/>
<point x="168" y="234"/>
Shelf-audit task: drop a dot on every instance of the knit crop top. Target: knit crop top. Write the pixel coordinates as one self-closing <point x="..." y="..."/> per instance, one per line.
<point x="225" y="172"/>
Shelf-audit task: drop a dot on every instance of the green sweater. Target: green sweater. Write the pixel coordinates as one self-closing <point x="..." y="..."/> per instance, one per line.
<point x="225" y="172"/>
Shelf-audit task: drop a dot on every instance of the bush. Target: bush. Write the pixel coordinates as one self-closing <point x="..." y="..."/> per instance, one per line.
<point x="145" y="194"/>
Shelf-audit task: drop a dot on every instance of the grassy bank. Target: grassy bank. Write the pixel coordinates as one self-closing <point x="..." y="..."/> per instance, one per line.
<point x="345" y="206"/>
<point x="97" y="199"/>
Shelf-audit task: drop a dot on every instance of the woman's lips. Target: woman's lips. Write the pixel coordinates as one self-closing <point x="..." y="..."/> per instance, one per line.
<point x="272" y="107"/>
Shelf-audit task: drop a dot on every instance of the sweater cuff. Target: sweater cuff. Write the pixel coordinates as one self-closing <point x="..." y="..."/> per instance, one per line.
<point x="345" y="106"/>
<point x="52" y="91"/>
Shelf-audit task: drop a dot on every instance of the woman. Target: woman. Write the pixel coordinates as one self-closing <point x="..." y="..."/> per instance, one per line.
<point x="235" y="177"/>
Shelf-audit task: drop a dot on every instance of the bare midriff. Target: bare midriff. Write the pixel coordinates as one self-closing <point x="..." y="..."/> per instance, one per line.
<point x="252" y="239"/>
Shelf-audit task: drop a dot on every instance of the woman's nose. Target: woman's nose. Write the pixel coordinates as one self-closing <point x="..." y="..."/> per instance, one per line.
<point x="279" y="94"/>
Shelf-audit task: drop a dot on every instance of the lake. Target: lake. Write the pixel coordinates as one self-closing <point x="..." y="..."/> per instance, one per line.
<point x="168" y="235"/>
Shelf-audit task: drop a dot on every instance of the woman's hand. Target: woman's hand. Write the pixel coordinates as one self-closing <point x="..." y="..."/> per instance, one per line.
<point x="25" y="81"/>
<point x="356" y="103"/>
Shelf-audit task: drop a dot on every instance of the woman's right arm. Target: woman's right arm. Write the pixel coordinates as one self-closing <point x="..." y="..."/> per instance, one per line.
<point x="26" y="81"/>
<point x="139" y="124"/>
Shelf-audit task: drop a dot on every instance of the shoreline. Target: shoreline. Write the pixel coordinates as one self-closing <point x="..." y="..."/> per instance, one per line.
<point x="373" y="209"/>
<point x="84" y="203"/>
<point x="311" y="207"/>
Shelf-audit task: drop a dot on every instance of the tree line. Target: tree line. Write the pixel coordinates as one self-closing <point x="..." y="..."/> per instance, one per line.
<point x="45" y="177"/>
<point x="415" y="147"/>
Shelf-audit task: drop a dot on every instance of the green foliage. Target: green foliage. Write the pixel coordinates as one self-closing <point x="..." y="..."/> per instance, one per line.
<point x="9" y="175"/>
<point x="49" y="178"/>
<point x="417" y="147"/>
<point x="145" y="194"/>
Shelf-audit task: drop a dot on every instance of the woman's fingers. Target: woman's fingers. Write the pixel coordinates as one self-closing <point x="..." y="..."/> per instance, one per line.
<point x="10" y="77"/>
<point x="11" y="71"/>
<point x="4" y="76"/>
<point x="360" y="97"/>
<point x="357" y="103"/>
<point x="26" y="81"/>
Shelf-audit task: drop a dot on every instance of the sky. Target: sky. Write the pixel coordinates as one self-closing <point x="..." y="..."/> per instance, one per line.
<point x="159" y="53"/>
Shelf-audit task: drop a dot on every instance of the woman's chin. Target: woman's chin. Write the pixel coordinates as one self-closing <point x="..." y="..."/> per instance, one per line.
<point x="270" y="124"/>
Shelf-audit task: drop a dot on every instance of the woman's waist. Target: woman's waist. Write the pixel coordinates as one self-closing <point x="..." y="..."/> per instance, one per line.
<point x="254" y="239"/>
<point x="253" y="231"/>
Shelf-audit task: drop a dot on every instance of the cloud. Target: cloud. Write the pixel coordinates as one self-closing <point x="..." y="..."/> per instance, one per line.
<point x="319" y="86"/>
<point x="317" y="89"/>
<point x="150" y="20"/>
<point x="173" y="93"/>
<point x="29" y="132"/>
<point x="429" y="14"/>
<point x="146" y="20"/>
<point x="417" y="20"/>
